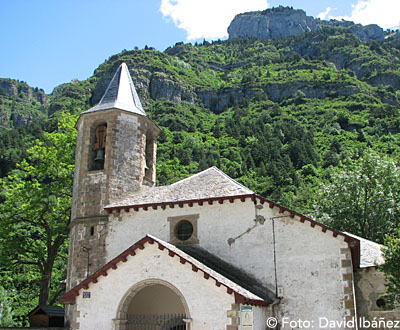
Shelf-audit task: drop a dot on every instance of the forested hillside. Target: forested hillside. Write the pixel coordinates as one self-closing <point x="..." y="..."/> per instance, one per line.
<point x="277" y="115"/>
<point x="273" y="114"/>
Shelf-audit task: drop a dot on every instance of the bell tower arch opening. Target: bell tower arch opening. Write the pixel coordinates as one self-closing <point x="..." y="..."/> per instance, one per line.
<point x="150" y="159"/>
<point x="97" y="150"/>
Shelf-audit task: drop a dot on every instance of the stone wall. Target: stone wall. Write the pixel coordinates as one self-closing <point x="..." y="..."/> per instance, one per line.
<point x="125" y="158"/>
<point x="87" y="248"/>
<point x="123" y="173"/>
<point x="370" y="287"/>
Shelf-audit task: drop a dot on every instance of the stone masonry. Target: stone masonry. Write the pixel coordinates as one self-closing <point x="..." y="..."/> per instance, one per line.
<point x="123" y="173"/>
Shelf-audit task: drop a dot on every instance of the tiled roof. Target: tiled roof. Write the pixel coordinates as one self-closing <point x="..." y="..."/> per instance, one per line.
<point x="242" y="295"/>
<point x="120" y="94"/>
<point x="211" y="183"/>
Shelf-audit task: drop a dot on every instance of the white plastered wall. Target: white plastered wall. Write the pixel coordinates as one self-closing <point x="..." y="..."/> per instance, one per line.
<point x="207" y="304"/>
<point x="308" y="261"/>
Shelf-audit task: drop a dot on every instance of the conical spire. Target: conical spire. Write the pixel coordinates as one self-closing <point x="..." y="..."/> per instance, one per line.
<point x="120" y="94"/>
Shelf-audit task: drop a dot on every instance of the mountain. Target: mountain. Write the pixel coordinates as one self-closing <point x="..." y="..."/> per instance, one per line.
<point x="20" y="103"/>
<point x="285" y="21"/>
<point x="275" y="114"/>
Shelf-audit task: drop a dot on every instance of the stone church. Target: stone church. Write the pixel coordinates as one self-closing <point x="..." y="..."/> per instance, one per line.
<point x="202" y="253"/>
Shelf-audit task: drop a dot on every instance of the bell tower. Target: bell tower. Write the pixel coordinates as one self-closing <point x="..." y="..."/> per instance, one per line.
<point x="115" y="156"/>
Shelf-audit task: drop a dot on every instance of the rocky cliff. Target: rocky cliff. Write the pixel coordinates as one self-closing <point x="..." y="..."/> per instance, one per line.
<point x="20" y="103"/>
<point x="271" y="23"/>
<point x="284" y="21"/>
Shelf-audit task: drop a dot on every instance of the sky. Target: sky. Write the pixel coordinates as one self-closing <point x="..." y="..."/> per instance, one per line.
<point x="50" y="42"/>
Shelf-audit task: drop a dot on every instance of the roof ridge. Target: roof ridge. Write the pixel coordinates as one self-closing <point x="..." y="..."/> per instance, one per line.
<point x="191" y="176"/>
<point x="226" y="176"/>
<point x="229" y="178"/>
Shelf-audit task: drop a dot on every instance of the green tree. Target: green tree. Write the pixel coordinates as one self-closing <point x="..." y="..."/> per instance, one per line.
<point x="391" y="268"/>
<point x="35" y="211"/>
<point x="363" y="197"/>
<point x="5" y="309"/>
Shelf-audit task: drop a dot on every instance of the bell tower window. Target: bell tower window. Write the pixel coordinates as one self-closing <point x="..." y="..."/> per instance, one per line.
<point x="149" y="154"/>
<point x="98" y="149"/>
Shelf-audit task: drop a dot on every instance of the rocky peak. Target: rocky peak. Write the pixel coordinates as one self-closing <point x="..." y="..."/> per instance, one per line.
<point x="21" y="92"/>
<point x="368" y="32"/>
<point x="271" y="23"/>
<point x="284" y="21"/>
<point x="20" y="103"/>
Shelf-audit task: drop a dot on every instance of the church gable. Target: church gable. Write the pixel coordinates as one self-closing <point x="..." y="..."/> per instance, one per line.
<point x="135" y="282"/>
<point x="241" y="294"/>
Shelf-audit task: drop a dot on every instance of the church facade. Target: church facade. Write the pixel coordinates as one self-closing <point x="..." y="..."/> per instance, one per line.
<point x="202" y="253"/>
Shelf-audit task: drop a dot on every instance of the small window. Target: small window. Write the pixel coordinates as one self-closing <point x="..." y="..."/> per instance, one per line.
<point x="149" y="156"/>
<point x="92" y="231"/>
<point x="380" y="303"/>
<point x="183" y="230"/>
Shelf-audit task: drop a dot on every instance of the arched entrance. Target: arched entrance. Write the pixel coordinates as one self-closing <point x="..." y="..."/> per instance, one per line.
<point x="152" y="304"/>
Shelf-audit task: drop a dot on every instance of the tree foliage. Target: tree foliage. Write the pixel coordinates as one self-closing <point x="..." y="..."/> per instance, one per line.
<point x="34" y="215"/>
<point x="391" y="268"/>
<point x="363" y="197"/>
<point x="5" y="309"/>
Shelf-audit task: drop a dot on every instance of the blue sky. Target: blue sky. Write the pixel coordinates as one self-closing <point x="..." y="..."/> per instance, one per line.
<point x="50" y="42"/>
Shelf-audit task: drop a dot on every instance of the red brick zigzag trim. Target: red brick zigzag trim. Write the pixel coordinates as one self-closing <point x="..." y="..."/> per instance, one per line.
<point x="70" y="296"/>
<point x="220" y="200"/>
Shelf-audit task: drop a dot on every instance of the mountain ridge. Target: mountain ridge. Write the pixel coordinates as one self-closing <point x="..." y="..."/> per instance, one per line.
<point x="274" y="114"/>
<point x="282" y="21"/>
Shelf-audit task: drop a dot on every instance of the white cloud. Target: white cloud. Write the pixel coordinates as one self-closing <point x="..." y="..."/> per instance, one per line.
<point x="385" y="13"/>
<point x="324" y="14"/>
<point x="207" y="18"/>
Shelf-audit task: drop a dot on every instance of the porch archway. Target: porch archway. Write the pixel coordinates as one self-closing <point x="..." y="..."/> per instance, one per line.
<point x="153" y="301"/>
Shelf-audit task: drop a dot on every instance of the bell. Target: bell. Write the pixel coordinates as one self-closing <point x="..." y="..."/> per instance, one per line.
<point x="99" y="156"/>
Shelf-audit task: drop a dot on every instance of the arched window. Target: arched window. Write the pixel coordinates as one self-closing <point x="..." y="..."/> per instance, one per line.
<point x="149" y="154"/>
<point x="98" y="148"/>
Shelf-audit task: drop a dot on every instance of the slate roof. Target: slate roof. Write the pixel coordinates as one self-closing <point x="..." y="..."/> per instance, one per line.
<point x="242" y="295"/>
<point x="120" y="94"/>
<point x="210" y="183"/>
<point x="51" y="311"/>
<point x="231" y="272"/>
<point x="370" y="252"/>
